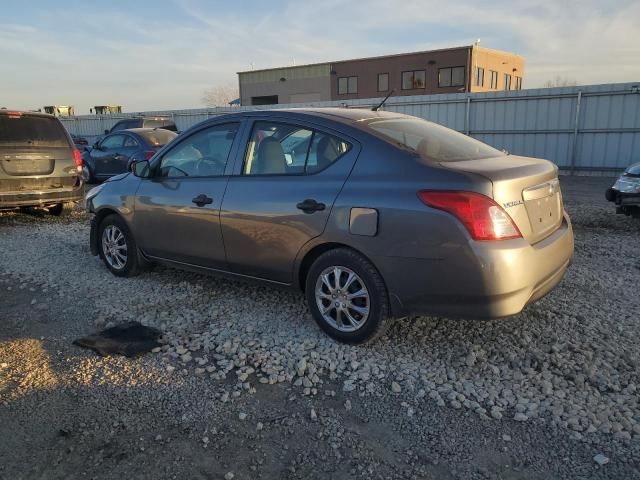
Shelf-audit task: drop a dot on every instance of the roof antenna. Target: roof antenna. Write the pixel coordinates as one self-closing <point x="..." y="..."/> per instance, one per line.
<point x="381" y="104"/>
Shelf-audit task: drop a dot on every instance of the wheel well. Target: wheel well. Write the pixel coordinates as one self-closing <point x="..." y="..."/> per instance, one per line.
<point x="100" y="215"/>
<point x="313" y="254"/>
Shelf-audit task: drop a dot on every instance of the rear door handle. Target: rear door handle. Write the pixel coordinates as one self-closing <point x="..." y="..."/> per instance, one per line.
<point x="310" y="205"/>
<point x="202" y="200"/>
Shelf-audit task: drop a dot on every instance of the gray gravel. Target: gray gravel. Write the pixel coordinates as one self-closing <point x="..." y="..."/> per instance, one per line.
<point x="246" y="368"/>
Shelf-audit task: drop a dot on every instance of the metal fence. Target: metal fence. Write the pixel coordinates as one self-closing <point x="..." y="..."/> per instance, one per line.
<point x="593" y="128"/>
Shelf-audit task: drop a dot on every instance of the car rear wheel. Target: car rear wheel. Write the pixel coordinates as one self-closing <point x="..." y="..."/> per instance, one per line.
<point x="118" y="248"/>
<point x="61" y="209"/>
<point x="87" y="176"/>
<point x="347" y="296"/>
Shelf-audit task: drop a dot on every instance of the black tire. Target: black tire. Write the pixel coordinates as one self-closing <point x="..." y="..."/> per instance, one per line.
<point x="131" y="266"/>
<point x="87" y="174"/>
<point x="61" y="209"/>
<point x="377" y="320"/>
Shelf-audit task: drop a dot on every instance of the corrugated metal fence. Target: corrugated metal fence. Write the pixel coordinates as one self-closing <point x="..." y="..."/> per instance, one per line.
<point x="592" y="128"/>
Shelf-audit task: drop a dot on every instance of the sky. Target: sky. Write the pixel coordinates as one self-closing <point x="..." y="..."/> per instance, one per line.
<point x="158" y="55"/>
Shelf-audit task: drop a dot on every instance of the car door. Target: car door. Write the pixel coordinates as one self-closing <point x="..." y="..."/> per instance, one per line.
<point x="283" y="195"/>
<point x="177" y="210"/>
<point x="104" y="155"/>
<point x="130" y="147"/>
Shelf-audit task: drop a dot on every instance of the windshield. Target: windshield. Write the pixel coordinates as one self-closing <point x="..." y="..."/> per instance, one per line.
<point x="433" y="141"/>
<point x="159" y="137"/>
<point x="31" y="131"/>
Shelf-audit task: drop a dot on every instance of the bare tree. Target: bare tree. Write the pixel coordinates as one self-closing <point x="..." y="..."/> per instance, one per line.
<point x="559" y="82"/>
<point x="220" y="96"/>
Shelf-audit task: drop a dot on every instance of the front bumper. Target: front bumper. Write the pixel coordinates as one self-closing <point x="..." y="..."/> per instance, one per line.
<point x="41" y="198"/>
<point x="483" y="280"/>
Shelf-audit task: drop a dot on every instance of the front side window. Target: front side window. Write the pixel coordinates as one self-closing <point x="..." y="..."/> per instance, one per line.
<point x="451" y="77"/>
<point x="432" y="141"/>
<point x="507" y="81"/>
<point x="284" y="149"/>
<point x="203" y="154"/>
<point x="413" y="79"/>
<point x="494" y="79"/>
<point x="383" y="82"/>
<point x="112" y="142"/>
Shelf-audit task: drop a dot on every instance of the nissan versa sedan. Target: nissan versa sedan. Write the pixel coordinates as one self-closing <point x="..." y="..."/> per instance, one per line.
<point x="373" y="215"/>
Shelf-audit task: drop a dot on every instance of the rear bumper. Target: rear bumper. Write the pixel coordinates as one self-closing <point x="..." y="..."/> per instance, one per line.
<point x="483" y="280"/>
<point x="41" y="198"/>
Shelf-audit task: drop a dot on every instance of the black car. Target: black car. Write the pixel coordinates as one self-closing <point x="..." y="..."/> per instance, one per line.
<point x="113" y="154"/>
<point x="625" y="193"/>
<point x="144" y="122"/>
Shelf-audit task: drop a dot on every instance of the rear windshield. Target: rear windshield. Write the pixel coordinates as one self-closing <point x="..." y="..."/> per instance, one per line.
<point x="31" y="131"/>
<point x="162" y="122"/>
<point x="158" y="137"/>
<point x="433" y="141"/>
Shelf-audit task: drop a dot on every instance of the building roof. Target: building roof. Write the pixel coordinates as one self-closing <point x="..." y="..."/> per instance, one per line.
<point x="421" y="52"/>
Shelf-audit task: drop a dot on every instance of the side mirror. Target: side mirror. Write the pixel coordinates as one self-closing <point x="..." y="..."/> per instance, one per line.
<point x="140" y="168"/>
<point x="106" y="132"/>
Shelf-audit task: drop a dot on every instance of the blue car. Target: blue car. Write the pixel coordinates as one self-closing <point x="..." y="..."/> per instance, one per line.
<point x="114" y="153"/>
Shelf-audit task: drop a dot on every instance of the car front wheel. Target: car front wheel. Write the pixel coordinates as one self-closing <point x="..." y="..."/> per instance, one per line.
<point x="347" y="296"/>
<point x="118" y="248"/>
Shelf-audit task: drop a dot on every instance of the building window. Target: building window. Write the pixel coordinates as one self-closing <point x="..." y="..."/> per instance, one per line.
<point x="347" y="85"/>
<point x="507" y="81"/>
<point x="353" y="84"/>
<point x="451" y="77"/>
<point x="383" y="82"/>
<point x="494" y="79"/>
<point x="479" y="77"/>
<point x="343" y="84"/>
<point x="414" y="79"/>
<point x="518" y="83"/>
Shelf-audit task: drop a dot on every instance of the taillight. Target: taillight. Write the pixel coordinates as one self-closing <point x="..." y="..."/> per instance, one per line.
<point x="77" y="156"/>
<point x="148" y="154"/>
<point x="481" y="216"/>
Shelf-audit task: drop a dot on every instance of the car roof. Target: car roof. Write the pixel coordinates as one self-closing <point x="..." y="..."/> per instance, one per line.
<point x="344" y="115"/>
<point x="141" y="130"/>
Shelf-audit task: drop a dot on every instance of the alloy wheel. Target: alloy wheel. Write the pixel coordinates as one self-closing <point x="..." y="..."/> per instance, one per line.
<point x="342" y="298"/>
<point x="114" y="247"/>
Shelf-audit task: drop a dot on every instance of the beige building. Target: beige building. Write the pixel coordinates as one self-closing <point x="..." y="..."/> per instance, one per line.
<point x="451" y="70"/>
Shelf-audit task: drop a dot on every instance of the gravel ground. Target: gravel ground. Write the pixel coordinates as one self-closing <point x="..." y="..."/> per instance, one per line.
<point x="246" y="385"/>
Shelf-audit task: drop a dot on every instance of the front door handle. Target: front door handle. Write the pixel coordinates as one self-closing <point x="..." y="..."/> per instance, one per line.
<point x="202" y="200"/>
<point x="310" y="205"/>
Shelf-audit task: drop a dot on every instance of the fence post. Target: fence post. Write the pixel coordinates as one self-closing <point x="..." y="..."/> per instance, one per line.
<point x="576" y="132"/>
<point x="467" y="128"/>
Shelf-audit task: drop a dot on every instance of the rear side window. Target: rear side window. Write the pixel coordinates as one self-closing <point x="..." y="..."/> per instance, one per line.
<point x="283" y="149"/>
<point x="433" y="141"/>
<point x="31" y="131"/>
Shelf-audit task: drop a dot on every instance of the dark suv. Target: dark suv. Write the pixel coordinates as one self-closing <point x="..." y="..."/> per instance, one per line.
<point x="39" y="164"/>
<point x="144" y="122"/>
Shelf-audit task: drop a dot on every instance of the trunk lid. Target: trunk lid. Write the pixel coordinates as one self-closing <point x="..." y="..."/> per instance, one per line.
<point x="527" y="188"/>
<point x="35" y="161"/>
